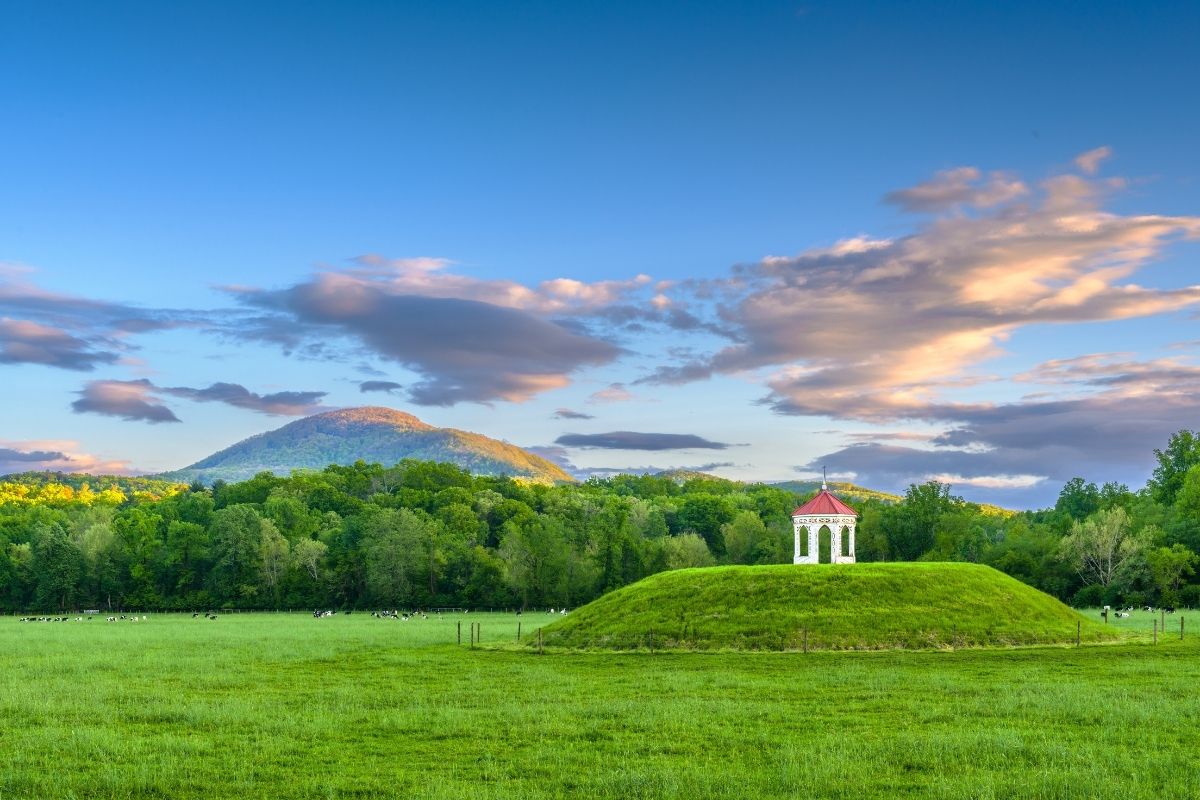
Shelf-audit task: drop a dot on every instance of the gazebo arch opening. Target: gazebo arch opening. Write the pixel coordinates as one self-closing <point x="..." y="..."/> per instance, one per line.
<point x="825" y="545"/>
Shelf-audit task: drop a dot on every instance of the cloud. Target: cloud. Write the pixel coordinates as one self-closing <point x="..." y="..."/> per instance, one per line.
<point x="560" y="456"/>
<point x="9" y="455"/>
<point x="28" y="342"/>
<point x="380" y="386"/>
<point x="128" y="400"/>
<point x="430" y="277"/>
<point x="607" y="472"/>
<point x="54" y="456"/>
<point x="292" y="404"/>
<point x="1089" y="162"/>
<point x="894" y="467"/>
<point x="464" y="349"/>
<point x="1109" y="432"/>
<point x="613" y="393"/>
<point x="566" y="413"/>
<point x="991" y="481"/>
<point x="1117" y="370"/>
<point x="139" y="400"/>
<point x="58" y="330"/>
<point x="880" y="329"/>
<point x="630" y="440"/>
<point x="961" y="186"/>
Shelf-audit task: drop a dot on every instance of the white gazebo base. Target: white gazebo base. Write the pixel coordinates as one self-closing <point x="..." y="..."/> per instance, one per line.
<point x="812" y="524"/>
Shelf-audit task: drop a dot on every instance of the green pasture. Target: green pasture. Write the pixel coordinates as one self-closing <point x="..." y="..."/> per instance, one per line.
<point x="284" y="705"/>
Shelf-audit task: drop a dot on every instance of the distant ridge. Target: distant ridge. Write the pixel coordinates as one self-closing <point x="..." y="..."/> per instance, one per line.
<point x="841" y="489"/>
<point x="373" y="434"/>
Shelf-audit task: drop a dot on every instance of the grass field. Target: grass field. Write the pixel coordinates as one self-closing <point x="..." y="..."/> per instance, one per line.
<point x="284" y="705"/>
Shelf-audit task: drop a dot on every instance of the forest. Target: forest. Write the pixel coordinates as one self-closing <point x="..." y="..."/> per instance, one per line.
<point x="430" y="535"/>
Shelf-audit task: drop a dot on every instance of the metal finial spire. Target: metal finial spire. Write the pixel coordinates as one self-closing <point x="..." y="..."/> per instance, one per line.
<point x="824" y="481"/>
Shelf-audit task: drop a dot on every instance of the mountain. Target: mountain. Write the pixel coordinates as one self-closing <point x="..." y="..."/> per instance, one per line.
<point x="372" y="434"/>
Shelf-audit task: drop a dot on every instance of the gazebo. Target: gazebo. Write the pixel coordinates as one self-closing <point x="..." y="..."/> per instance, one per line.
<point x="824" y="510"/>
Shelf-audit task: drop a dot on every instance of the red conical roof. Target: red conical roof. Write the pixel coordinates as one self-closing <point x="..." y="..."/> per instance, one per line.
<point x="826" y="504"/>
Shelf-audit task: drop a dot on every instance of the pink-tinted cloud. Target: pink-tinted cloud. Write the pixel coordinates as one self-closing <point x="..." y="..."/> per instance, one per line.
<point x="55" y="455"/>
<point x="613" y="393"/>
<point x="1089" y="162"/>
<point x="141" y="400"/>
<point x="128" y="400"/>
<point x="953" y="188"/>
<point x="29" y="342"/>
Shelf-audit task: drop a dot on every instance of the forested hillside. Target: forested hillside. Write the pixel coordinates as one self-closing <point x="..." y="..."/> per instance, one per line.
<point x="423" y="534"/>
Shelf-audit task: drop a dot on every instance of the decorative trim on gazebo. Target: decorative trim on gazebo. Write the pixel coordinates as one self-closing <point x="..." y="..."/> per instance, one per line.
<point x="821" y="511"/>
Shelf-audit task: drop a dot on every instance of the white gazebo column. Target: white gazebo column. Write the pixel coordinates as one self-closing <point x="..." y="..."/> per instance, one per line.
<point x="814" y="544"/>
<point x="852" y="556"/>
<point x="835" y="543"/>
<point x="796" y="546"/>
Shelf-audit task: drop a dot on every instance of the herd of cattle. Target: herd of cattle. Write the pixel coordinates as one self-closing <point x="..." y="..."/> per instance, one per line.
<point x="1124" y="613"/>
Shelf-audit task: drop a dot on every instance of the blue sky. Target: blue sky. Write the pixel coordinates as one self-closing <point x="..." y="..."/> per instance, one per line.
<point x="284" y="197"/>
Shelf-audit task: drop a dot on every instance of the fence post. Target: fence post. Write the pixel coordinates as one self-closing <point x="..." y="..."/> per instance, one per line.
<point x="518" y="630"/>
<point x="1156" y="631"/>
<point x="539" y="641"/>
<point x="459" y="626"/>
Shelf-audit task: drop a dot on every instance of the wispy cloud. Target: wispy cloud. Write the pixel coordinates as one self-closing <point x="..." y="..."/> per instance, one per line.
<point x="132" y="401"/>
<point x="613" y="393"/>
<point x="561" y="456"/>
<point x="54" y="329"/>
<point x="1089" y="162"/>
<point x="28" y="342"/>
<point x="631" y="440"/>
<point x="380" y="386"/>
<point x="292" y="404"/>
<point x="140" y="400"/>
<point x="962" y="186"/>
<point x="54" y="456"/>
<point x="566" y="413"/>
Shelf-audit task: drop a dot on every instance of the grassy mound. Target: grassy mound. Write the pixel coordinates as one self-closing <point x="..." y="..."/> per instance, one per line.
<point x="844" y="606"/>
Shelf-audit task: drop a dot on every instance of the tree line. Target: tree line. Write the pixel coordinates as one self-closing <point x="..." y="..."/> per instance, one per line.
<point x="424" y="534"/>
